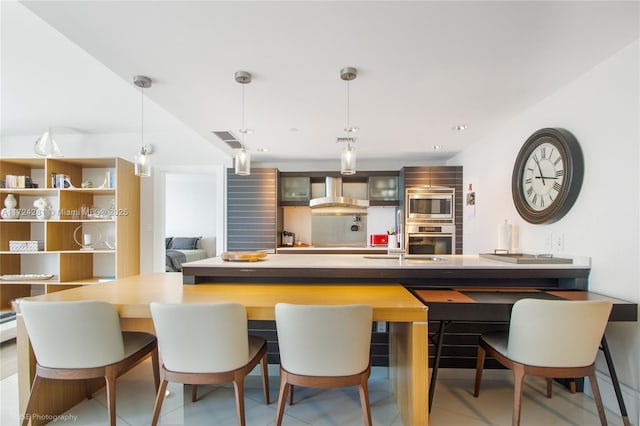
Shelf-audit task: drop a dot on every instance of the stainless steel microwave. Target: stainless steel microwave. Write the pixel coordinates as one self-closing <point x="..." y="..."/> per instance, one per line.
<point x="430" y="204"/>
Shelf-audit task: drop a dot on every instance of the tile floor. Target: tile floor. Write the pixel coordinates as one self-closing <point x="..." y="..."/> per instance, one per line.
<point x="454" y="404"/>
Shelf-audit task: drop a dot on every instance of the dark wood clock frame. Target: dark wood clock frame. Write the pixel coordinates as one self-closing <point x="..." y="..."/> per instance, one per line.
<point x="573" y="160"/>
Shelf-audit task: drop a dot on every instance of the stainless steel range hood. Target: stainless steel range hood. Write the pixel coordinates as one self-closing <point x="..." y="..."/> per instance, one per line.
<point x="334" y="203"/>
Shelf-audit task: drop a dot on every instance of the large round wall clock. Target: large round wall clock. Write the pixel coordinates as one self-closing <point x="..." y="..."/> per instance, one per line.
<point x="547" y="175"/>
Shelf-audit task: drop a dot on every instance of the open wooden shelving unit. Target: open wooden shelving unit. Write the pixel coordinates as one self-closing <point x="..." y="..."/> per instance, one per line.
<point x="62" y="257"/>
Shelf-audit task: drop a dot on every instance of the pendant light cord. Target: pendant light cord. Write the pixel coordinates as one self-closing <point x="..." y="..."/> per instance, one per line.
<point x="348" y="108"/>
<point x="348" y="129"/>
<point x="242" y="129"/>
<point x="142" y="120"/>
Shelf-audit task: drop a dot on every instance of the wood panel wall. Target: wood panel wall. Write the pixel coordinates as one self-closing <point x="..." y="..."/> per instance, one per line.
<point x="252" y="204"/>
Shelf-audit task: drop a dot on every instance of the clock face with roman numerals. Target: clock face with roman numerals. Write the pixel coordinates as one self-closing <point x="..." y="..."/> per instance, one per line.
<point x="543" y="176"/>
<point x="547" y="175"/>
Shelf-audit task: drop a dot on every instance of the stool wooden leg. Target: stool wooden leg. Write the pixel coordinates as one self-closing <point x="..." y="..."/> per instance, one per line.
<point x="518" y="382"/>
<point x="596" y="396"/>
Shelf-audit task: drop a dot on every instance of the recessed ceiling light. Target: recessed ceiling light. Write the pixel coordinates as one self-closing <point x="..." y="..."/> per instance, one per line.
<point x="460" y="127"/>
<point x="437" y="147"/>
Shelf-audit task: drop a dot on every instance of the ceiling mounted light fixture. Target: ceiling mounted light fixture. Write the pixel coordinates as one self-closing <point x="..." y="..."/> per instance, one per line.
<point x="142" y="163"/>
<point x="348" y="157"/>
<point x="243" y="157"/>
<point x="46" y="146"/>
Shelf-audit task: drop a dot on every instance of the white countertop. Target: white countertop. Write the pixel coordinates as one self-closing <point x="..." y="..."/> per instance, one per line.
<point x="377" y="261"/>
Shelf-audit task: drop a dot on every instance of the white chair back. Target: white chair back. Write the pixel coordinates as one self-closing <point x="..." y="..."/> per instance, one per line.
<point x="324" y="340"/>
<point x="201" y="338"/>
<point x="556" y="333"/>
<point x="82" y="334"/>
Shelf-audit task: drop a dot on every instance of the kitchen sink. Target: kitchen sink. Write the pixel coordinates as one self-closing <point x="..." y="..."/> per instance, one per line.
<point x="426" y="259"/>
<point x="407" y="258"/>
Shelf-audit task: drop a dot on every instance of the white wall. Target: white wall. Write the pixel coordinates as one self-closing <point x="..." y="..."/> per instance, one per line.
<point x="601" y="108"/>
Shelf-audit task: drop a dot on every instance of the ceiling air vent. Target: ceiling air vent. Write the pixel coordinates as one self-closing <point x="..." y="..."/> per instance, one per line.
<point x="228" y="138"/>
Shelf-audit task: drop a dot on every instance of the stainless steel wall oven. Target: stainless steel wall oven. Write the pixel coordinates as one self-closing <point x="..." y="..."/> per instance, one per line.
<point x="430" y="239"/>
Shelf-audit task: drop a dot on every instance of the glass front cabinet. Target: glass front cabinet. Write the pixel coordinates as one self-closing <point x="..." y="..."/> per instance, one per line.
<point x="383" y="190"/>
<point x="295" y="190"/>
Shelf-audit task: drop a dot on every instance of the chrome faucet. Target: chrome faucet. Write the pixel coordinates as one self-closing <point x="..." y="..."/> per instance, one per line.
<point x="399" y="249"/>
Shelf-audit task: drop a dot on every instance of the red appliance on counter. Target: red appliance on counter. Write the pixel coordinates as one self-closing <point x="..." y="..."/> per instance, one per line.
<point x="378" y="239"/>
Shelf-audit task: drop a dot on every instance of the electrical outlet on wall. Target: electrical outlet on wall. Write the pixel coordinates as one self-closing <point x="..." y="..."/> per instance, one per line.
<point x="381" y="327"/>
<point x="557" y="242"/>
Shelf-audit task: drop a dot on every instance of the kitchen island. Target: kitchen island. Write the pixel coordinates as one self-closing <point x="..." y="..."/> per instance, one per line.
<point x="414" y="271"/>
<point x="443" y="272"/>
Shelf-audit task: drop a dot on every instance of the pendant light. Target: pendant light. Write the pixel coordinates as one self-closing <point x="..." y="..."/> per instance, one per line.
<point x="243" y="157"/>
<point x="348" y="157"/>
<point x="46" y="145"/>
<point x="142" y="163"/>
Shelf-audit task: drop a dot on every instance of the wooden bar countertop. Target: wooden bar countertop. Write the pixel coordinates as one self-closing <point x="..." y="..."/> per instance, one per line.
<point x="132" y="295"/>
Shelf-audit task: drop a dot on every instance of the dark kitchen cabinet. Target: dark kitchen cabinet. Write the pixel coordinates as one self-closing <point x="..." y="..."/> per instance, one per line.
<point x="383" y="190"/>
<point x="295" y="190"/>
<point x="252" y="210"/>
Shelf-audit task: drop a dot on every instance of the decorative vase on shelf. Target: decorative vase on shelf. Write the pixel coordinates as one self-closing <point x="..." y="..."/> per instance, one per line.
<point x="10" y="211"/>
<point x="10" y="202"/>
<point x="43" y="208"/>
